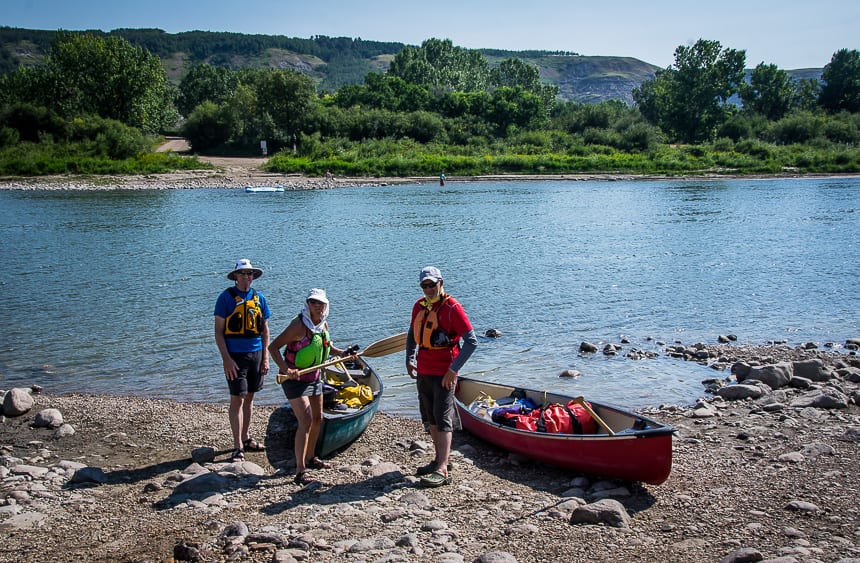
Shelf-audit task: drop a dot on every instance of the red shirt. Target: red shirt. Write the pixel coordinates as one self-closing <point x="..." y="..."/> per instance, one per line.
<point x="453" y="320"/>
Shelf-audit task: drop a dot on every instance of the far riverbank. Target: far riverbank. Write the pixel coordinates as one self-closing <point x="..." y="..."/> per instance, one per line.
<point x="234" y="172"/>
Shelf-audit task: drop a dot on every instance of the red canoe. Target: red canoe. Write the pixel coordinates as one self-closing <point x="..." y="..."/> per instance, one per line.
<point x="633" y="447"/>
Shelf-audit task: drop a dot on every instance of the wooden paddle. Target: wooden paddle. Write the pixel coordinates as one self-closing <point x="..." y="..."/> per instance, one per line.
<point x="593" y="414"/>
<point x="384" y="347"/>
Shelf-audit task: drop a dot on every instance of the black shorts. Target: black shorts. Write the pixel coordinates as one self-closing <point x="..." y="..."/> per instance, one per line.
<point x="248" y="377"/>
<point x="436" y="403"/>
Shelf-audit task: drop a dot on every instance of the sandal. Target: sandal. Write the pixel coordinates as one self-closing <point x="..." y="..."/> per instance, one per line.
<point x="253" y="445"/>
<point x="430" y="468"/>
<point x="426" y="469"/>
<point x="304" y="478"/>
<point x="238" y="455"/>
<point x="317" y="463"/>
<point x="436" y="479"/>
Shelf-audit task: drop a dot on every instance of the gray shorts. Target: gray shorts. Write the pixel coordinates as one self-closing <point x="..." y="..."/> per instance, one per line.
<point x="435" y="402"/>
<point x="294" y="389"/>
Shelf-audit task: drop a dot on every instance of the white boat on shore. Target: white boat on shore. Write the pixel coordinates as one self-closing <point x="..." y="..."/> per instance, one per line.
<point x="263" y="189"/>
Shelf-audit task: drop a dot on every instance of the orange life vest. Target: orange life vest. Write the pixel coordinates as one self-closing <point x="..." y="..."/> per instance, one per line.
<point x="425" y="328"/>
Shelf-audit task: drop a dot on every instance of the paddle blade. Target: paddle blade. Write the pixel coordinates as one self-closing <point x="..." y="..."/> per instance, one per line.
<point x="386" y="346"/>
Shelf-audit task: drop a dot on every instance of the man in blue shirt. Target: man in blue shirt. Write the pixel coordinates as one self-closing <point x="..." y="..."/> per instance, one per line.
<point x="242" y="336"/>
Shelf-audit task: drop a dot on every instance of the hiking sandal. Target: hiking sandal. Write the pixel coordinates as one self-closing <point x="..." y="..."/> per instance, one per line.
<point x="430" y="468"/>
<point x="238" y="455"/>
<point x="253" y="445"/>
<point x="317" y="463"/>
<point x="304" y="478"/>
<point x="426" y="469"/>
<point x="436" y="479"/>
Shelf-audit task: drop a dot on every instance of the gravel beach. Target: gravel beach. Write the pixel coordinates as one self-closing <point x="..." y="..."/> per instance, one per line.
<point x="770" y="476"/>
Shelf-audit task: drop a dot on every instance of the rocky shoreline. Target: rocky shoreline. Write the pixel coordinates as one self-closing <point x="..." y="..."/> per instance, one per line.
<point x="237" y="173"/>
<point x="770" y="474"/>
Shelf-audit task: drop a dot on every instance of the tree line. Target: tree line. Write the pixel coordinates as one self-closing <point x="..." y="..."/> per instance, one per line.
<point x="439" y="106"/>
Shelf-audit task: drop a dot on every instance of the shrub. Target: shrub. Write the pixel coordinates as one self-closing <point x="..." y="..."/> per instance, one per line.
<point x="841" y="131"/>
<point x="639" y="137"/>
<point x="9" y="137"/>
<point x="736" y="128"/>
<point x="207" y="127"/>
<point x="33" y="123"/>
<point x="800" y="127"/>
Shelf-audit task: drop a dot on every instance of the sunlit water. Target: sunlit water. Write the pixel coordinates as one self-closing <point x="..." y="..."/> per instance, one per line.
<point x="113" y="291"/>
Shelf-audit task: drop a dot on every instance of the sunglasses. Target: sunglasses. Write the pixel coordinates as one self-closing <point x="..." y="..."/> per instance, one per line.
<point x="428" y="285"/>
<point x="315" y="302"/>
<point x="244" y="273"/>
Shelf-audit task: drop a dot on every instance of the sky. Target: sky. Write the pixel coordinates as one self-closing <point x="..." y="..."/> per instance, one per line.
<point x="791" y="35"/>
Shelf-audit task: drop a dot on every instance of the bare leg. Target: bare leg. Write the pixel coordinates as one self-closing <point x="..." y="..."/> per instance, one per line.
<point x="302" y="409"/>
<point x="247" y="412"/>
<point x="442" y="444"/>
<point x="316" y="403"/>
<point x="236" y="419"/>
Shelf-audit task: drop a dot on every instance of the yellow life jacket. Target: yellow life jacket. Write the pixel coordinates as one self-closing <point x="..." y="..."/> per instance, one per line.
<point x="247" y="318"/>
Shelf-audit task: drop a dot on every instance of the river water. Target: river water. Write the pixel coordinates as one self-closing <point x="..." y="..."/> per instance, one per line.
<point x="113" y="291"/>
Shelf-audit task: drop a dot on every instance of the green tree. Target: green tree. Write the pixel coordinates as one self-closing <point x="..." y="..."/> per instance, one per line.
<point x="241" y="112"/>
<point x="769" y="92"/>
<point x="439" y="64"/>
<point x="806" y="93"/>
<point x="515" y="72"/>
<point x="841" y="77"/>
<point x="40" y="86"/>
<point x="515" y="108"/>
<point x="384" y="91"/>
<point x="113" y="79"/>
<point x="208" y="126"/>
<point x="284" y="100"/>
<point x="689" y="100"/>
<point x="205" y="82"/>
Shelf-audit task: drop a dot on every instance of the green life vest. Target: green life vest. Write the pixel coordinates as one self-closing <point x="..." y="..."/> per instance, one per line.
<point x="316" y="352"/>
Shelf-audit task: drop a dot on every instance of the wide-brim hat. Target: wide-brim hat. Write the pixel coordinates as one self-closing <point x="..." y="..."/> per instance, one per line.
<point x="244" y="264"/>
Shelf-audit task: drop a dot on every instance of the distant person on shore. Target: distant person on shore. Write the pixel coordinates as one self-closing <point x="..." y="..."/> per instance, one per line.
<point x="442" y="334"/>
<point x="442" y="179"/>
<point x="242" y="336"/>
<point x="328" y="178"/>
<point x="306" y="343"/>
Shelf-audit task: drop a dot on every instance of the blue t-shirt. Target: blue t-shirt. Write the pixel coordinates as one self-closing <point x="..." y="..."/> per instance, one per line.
<point x="225" y="306"/>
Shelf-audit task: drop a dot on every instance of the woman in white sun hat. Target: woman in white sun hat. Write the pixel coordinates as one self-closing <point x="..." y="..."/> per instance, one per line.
<point x="242" y="336"/>
<point x="305" y="343"/>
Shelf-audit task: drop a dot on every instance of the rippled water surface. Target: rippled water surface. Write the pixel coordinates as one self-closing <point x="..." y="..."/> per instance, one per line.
<point x="113" y="291"/>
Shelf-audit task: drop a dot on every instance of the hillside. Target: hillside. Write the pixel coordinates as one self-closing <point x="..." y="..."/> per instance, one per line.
<point x="333" y="62"/>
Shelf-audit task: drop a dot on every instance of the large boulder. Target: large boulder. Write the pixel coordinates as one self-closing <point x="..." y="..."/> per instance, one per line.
<point x="739" y="392"/>
<point x="48" y="418"/>
<point x="812" y="369"/>
<point x="17" y="401"/>
<point x="773" y="375"/>
<point x="606" y="511"/>
<point x="826" y="398"/>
